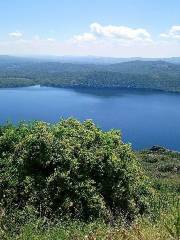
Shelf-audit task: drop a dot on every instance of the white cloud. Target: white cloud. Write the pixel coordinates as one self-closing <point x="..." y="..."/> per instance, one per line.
<point x="175" y="30"/>
<point x="120" y="32"/>
<point x="85" y="37"/>
<point x="164" y="35"/>
<point x="36" y="37"/>
<point x="112" y="32"/>
<point x="98" y="48"/>
<point x="173" y="33"/>
<point x="39" y="39"/>
<point x="51" y="39"/>
<point x="16" y="35"/>
<point x="100" y="40"/>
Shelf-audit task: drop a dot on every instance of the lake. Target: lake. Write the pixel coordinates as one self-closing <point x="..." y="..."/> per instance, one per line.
<point x="145" y="117"/>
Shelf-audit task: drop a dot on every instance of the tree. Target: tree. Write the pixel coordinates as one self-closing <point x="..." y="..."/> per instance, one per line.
<point x="69" y="168"/>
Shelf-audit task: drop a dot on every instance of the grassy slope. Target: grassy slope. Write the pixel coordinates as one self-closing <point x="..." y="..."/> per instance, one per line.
<point x="163" y="167"/>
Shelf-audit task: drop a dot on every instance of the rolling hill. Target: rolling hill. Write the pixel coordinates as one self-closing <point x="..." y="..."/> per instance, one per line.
<point x="148" y="74"/>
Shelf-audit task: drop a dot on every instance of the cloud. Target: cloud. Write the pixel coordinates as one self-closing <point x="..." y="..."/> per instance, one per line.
<point x="85" y="37"/>
<point x="100" y="40"/>
<point x="51" y="39"/>
<point x="120" y="32"/>
<point x="112" y="32"/>
<point x="16" y="35"/>
<point x="37" y="38"/>
<point x="164" y="35"/>
<point x="173" y="33"/>
<point x="96" y="48"/>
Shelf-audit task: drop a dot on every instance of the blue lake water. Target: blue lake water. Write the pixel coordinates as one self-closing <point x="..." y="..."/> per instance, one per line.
<point x="145" y="118"/>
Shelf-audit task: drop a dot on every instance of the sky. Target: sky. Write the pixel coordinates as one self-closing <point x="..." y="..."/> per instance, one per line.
<point x="109" y="28"/>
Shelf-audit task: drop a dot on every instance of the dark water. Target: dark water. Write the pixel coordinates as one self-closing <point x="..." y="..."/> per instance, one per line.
<point x="146" y="118"/>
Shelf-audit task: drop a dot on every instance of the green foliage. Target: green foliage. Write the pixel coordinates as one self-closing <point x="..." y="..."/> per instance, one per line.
<point x="69" y="168"/>
<point x="54" y="178"/>
<point x="173" y="223"/>
<point x="142" y="229"/>
<point x="159" y="75"/>
<point x="163" y="167"/>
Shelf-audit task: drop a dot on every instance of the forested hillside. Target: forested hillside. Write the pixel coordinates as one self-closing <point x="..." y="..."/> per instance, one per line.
<point x="159" y="75"/>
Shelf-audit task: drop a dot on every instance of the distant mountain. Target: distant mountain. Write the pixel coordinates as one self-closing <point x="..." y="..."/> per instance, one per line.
<point x="84" y="59"/>
<point x="144" y="67"/>
<point x="175" y="60"/>
<point x="149" y="74"/>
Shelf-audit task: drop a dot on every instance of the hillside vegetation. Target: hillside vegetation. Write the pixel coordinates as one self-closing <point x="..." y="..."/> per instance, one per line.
<point x="158" y="75"/>
<point x="71" y="180"/>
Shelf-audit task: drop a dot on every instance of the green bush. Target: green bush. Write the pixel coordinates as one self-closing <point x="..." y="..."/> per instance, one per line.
<point x="69" y="168"/>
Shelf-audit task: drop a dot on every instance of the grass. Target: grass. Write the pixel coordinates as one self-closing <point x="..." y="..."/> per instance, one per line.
<point x="163" y="168"/>
<point x="141" y="230"/>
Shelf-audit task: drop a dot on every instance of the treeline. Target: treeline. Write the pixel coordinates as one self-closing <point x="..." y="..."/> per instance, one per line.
<point x="157" y="75"/>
